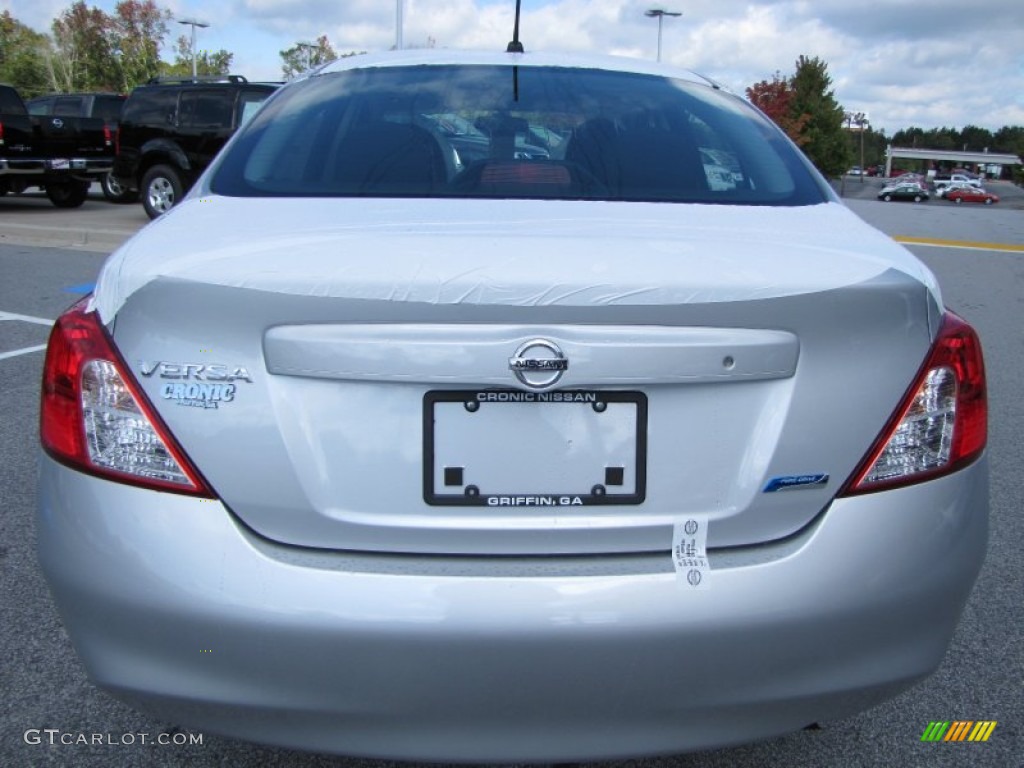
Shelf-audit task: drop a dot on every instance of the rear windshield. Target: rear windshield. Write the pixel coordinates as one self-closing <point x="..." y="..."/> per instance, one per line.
<point x="505" y="131"/>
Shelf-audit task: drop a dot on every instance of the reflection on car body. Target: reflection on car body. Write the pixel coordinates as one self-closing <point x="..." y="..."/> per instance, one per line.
<point x="464" y="451"/>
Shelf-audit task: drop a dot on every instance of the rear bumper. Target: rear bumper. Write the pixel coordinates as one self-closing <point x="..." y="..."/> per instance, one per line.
<point x="175" y="608"/>
<point x="54" y="170"/>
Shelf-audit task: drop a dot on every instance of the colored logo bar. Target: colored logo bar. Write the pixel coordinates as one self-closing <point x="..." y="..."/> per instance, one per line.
<point x="959" y="730"/>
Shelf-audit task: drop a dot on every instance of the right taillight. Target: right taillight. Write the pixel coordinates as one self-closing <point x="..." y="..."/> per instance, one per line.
<point x="95" y="418"/>
<point x="941" y="424"/>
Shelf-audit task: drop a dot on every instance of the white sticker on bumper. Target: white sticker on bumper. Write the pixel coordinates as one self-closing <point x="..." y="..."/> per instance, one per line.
<point x="689" y="552"/>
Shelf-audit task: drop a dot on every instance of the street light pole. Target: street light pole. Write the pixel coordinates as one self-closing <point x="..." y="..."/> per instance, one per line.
<point x="399" y="23"/>
<point x="862" y="122"/>
<point x="860" y="119"/>
<point x="659" y="14"/>
<point x="194" y="23"/>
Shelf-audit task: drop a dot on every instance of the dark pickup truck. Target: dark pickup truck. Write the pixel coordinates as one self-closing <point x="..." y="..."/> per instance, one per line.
<point x="102" y="104"/>
<point x="61" y="155"/>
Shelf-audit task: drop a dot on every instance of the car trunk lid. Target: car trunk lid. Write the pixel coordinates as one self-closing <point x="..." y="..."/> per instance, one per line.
<point x="381" y="384"/>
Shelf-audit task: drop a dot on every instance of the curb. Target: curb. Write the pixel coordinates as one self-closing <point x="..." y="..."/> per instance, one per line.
<point x="100" y="241"/>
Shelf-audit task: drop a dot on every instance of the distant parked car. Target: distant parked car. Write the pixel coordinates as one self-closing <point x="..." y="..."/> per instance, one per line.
<point x="907" y="190"/>
<point x="62" y="155"/>
<point x="971" y="195"/>
<point x="855" y="171"/>
<point x="948" y="180"/>
<point x="908" y="177"/>
<point x="944" y="190"/>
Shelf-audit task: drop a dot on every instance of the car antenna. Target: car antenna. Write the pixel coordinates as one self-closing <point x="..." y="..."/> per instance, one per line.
<point x="515" y="46"/>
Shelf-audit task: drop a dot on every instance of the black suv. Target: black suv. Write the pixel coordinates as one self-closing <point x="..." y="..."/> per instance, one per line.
<point x="171" y="129"/>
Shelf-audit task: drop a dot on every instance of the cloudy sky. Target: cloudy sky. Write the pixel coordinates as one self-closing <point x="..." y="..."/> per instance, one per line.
<point x="928" y="63"/>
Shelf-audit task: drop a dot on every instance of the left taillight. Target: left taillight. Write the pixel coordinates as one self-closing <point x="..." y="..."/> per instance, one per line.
<point x="941" y="424"/>
<point x="94" y="417"/>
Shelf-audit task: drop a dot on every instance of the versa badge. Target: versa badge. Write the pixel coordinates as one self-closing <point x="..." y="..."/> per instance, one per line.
<point x="199" y="385"/>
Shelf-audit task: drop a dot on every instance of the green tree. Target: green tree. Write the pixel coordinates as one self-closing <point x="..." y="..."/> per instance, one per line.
<point x="942" y="138"/>
<point x="137" y="30"/>
<point x="976" y="139"/>
<point x="207" y="62"/>
<point x="875" y="143"/>
<point x="1009" y="139"/>
<point x="23" y="54"/>
<point x="826" y="142"/>
<point x="911" y="137"/>
<point x="304" y="56"/>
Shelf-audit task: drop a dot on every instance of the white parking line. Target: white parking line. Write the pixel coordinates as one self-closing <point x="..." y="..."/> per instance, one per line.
<point x="25" y="351"/>
<point x="25" y="318"/>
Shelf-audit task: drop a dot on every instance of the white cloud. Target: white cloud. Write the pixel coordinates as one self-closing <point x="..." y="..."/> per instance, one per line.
<point x="928" y="63"/>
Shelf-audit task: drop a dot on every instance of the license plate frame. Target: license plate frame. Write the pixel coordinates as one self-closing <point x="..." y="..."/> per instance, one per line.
<point x="622" y="481"/>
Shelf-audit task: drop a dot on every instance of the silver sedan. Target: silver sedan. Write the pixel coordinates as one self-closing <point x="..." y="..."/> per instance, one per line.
<point x="394" y="440"/>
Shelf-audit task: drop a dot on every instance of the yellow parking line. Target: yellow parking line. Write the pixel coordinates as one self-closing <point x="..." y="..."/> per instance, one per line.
<point x="970" y="244"/>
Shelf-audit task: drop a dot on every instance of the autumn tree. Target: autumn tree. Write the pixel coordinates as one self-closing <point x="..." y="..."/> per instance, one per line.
<point x="81" y="59"/>
<point x="775" y="99"/>
<point x="805" y="107"/>
<point x="304" y="56"/>
<point x="23" y="55"/>
<point x="94" y="51"/>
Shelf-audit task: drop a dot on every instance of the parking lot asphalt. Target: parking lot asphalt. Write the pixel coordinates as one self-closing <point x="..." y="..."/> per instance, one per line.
<point x="101" y="227"/>
<point x="1010" y="195"/>
<point x="98" y="226"/>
